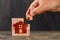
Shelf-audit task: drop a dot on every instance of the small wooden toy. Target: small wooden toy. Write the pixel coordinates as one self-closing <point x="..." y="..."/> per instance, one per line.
<point x="19" y="28"/>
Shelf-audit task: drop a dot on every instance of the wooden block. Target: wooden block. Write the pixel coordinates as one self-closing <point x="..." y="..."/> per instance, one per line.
<point x="19" y="28"/>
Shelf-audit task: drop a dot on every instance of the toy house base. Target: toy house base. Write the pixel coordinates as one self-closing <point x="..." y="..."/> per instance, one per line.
<point x="19" y="28"/>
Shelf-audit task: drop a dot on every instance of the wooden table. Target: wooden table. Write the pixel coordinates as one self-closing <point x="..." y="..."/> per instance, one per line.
<point x="35" y="35"/>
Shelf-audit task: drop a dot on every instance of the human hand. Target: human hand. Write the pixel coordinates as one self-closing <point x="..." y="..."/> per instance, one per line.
<point x="40" y="6"/>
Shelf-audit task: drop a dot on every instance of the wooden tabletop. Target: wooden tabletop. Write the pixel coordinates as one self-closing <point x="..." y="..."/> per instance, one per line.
<point x="35" y="35"/>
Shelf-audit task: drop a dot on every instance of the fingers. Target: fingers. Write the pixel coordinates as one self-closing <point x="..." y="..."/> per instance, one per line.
<point x="35" y="3"/>
<point x="40" y="6"/>
<point x="27" y="13"/>
<point x="35" y="8"/>
<point x="38" y="10"/>
<point x="28" y="16"/>
<point x="32" y="6"/>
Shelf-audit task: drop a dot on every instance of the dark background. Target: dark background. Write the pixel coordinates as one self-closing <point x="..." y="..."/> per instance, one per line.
<point x="4" y="14"/>
<point x="17" y="8"/>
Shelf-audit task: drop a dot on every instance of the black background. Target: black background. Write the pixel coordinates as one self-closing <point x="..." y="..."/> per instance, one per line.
<point x="17" y="8"/>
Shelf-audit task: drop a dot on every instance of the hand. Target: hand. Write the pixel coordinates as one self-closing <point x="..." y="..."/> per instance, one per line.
<point x="40" y="6"/>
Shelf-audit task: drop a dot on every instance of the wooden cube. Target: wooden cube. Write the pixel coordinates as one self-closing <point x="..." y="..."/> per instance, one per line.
<point x="19" y="28"/>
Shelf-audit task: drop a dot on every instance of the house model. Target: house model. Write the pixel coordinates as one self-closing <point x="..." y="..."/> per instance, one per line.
<point x="19" y="28"/>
